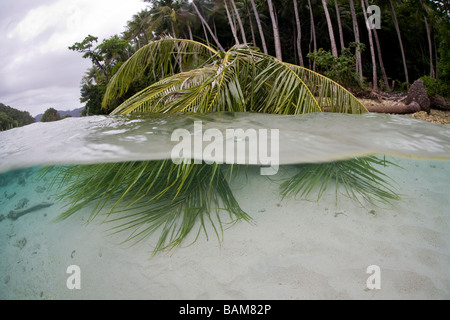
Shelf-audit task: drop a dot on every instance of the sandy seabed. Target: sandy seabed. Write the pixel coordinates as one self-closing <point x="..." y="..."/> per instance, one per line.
<point x="296" y="249"/>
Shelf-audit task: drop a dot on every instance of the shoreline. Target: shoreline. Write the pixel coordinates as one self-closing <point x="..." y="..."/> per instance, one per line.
<point x="435" y="116"/>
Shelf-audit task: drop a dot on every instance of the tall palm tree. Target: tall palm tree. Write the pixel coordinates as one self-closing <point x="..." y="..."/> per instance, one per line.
<point x="372" y="51"/>
<point x="205" y="25"/>
<point x="338" y="15"/>
<point x="380" y="55"/>
<point x="260" y="28"/>
<point x="313" y="34"/>
<point x="163" y="19"/>
<point x="430" y="45"/>
<point x="137" y="28"/>
<point x="399" y="35"/>
<point x="230" y="22"/>
<point x="299" y="32"/>
<point x="187" y="18"/>
<point x="357" y="40"/>
<point x="250" y="22"/>
<point x="238" y="17"/>
<point x="330" y="29"/>
<point x="276" y="33"/>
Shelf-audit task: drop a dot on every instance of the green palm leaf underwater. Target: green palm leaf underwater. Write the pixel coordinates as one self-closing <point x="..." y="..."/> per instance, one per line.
<point x="169" y="201"/>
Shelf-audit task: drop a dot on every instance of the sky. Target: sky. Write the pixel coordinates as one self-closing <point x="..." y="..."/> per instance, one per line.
<point x="37" y="70"/>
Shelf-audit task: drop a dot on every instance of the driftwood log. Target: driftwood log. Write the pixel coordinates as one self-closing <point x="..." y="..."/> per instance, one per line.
<point x="14" y="214"/>
<point x="400" y="109"/>
<point x="416" y="100"/>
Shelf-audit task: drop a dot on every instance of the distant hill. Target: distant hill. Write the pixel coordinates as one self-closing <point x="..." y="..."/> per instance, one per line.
<point x="72" y="113"/>
<point x="12" y="118"/>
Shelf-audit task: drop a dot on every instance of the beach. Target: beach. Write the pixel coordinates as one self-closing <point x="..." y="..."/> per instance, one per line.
<point x="294" y="249"/>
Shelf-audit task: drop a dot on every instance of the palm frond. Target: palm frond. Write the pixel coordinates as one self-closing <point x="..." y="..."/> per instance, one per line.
<point x="158" y="59"/>
<point x="279" y="90"/>
<point x="330" y="95"/>
<point x="359" y="178"/>
<point x="240" y="80"/>
<point x="165" y="95"/>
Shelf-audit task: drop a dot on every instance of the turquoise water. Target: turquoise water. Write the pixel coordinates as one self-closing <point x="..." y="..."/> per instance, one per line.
<point x="421" y="151"/>
<point x="300" y="140"/>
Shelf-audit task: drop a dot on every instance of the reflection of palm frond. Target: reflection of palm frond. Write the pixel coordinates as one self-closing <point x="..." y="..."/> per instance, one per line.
<point x="358" y="176"/>
<point x="144" y="197"/>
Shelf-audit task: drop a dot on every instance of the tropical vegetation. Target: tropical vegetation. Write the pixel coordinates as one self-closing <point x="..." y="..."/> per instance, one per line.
<point x="13" y="118"/>
<point x="51" y="114"/>
<point x="413" y="41"/>
<point x="192" y="77"/>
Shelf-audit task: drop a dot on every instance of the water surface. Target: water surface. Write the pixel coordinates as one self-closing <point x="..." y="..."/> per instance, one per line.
<point x="317" y="137"/>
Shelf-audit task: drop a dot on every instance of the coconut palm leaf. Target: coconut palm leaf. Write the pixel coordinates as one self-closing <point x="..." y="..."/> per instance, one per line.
<point x="330" y="95"/>
<point x="241" y="79"/>
<point x="162" y="95"/>
<point x="157" y="59"/>
<point x="227" y="87"/>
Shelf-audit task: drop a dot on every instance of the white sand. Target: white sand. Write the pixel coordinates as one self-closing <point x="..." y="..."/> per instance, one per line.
<point x="296" y="249"/>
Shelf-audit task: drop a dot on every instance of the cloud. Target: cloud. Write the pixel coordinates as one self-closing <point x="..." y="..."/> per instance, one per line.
<point x="37" y="68"/>
<point x="39" y="20"/>
<point x="68" y="19"/>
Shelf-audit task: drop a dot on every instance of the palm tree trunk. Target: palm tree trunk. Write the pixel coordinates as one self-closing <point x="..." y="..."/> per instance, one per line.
<point x="205" y="33"/>
<point x="173" y="30"/>
<point x="380" y="57"/>
<point x="397" y="28"/>
<point x="241" y="26"/>
<point x="233" y="29"/>
<point x="250" y="22"/>
<point x="313" y="35"/>
<point x="260" y="29"/>
<point x="207" y="26"/>
<point x="430" y="48"/>
<point x="276" y="34"/>
<point x="357" y="40"/>
<point x="436" y="59"/>
<point x="341" y="34"/>
<point x="330" y="29"/>
<point x="372" y="51"/>
<point x="299" y="33"/>
<point x="430" y="45"/>
<point x="190" y="31"/>
<point x="215" y="29"/>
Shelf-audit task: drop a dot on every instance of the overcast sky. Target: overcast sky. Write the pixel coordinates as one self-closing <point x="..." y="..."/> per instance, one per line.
<point x="37" y="70"/>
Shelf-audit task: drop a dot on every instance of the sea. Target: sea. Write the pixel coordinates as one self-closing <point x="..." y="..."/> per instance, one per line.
<point x="269" y="144"/>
